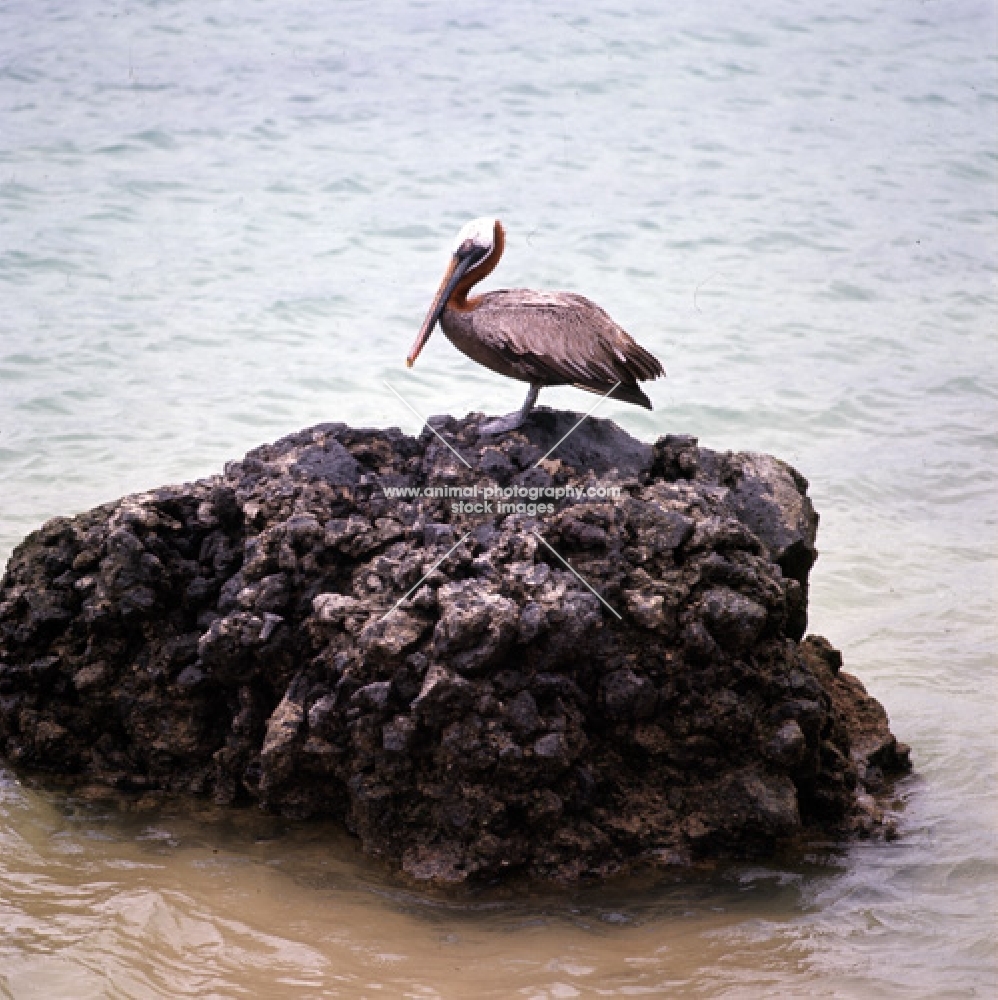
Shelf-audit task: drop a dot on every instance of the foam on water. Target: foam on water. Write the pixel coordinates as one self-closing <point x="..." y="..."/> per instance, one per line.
<point x="220" y="224"/>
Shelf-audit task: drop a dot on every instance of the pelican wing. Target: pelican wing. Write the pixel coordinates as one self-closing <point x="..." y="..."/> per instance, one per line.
<point x="558" y="338"/>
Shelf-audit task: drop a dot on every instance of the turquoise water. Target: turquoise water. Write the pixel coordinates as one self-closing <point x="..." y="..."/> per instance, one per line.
<point x="221" y="223"/>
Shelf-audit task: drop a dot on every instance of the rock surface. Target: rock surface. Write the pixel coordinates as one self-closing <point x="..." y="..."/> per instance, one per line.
<point x="447" y="683"/>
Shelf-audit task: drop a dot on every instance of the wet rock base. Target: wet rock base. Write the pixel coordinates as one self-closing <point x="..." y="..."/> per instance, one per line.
<point x="617" y="677"/>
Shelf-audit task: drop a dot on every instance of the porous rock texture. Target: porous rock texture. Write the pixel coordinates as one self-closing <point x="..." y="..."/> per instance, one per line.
<point x="244" y="637"/>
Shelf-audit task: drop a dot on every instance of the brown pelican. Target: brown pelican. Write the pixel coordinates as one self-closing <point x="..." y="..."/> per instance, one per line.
<point x="544" y="338"/>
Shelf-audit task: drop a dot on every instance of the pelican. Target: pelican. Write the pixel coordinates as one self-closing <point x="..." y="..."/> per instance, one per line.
<point x="543" y="338"/>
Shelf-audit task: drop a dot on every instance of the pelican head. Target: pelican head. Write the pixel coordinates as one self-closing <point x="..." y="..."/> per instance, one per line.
<point x="478" y="235"/>
<point x="475" y="241"/>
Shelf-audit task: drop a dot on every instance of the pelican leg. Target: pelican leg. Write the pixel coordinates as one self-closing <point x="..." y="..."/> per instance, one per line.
<point x="512" y="420"/>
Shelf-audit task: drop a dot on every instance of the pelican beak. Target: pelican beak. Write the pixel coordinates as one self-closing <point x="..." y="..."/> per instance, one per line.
<point x="459" y="263"/>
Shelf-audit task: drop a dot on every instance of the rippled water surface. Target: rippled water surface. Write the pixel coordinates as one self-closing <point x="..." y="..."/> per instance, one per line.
<point x="220" y="223"/>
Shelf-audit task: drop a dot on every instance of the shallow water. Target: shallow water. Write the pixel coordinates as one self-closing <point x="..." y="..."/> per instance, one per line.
<point x="218" y="225"/>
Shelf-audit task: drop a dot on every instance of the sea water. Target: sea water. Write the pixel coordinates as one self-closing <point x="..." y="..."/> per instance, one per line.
<point x="220" y="223"/>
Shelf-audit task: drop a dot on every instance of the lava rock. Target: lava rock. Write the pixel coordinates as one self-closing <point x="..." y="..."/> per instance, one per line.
<point x="565" y="695"/>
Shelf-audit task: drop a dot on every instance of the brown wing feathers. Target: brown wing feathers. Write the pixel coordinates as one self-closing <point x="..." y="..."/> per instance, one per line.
<point x="570" y="338"/>
<point x="551" y="338"/>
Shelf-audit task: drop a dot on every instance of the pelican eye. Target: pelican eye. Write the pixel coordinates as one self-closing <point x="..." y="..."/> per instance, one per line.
<point x="469" y="248"/>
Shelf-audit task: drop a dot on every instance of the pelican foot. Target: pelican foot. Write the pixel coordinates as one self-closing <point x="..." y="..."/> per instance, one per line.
<point x="502" y="425"/>
<point x="512" y="420"/>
